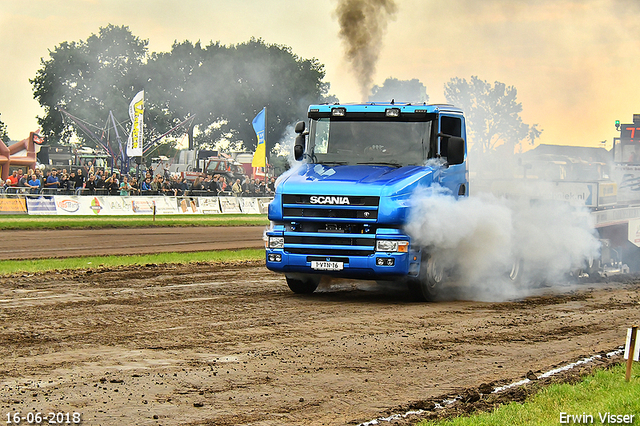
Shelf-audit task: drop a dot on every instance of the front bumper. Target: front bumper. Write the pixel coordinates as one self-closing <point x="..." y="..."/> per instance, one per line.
<point x="378" y="265"/>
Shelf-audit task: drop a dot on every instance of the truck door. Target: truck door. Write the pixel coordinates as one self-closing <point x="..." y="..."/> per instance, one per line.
<point x="454" y="177"/>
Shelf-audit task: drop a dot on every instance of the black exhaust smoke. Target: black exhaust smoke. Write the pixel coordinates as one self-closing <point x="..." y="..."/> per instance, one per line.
<point x="362" y="25"/>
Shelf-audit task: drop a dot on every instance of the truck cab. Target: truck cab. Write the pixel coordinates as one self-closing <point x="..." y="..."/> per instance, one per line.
<point x="341" y="212"/>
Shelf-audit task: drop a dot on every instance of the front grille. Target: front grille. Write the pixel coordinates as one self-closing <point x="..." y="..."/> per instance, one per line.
<point x="352" y="200"/>
<point x="329" y="241"/>
<point x="329" y="252"/>
<point x="311" y="216"/>
<point x="333" y="213"/>
<point x="343" y="207"/>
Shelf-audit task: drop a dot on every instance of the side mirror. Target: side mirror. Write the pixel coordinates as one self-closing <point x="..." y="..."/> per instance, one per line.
<point x="455" y="150"/>
<point x="298" y="147"/>
<point x="300" y="127"/>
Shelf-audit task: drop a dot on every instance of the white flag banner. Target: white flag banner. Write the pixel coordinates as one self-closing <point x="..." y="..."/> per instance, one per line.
<point x="136" y="113"/>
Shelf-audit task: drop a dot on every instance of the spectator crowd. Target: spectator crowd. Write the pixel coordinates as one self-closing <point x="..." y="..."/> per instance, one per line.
<point x="88" y="180"/>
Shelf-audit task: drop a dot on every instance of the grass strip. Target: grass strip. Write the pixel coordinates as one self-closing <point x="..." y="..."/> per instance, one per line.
<point x="8" y="267"/>
<point x="23" y="222"/>
<point x="604" y="392"/>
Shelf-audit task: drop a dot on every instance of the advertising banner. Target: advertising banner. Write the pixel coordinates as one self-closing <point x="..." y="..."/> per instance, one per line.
<point x="230" y="205"/>
<point x="209" y="205"/>
<point x="142" y="205"/>
<point x="115" y="205"/>
<point x="165" y="205"/>
<point x="628" y="178"/>
<point x="634" y="232"/>
<point x="41" y="205"/>
<point x="13" y="206"/>
<point x="263" y="204"/>
<point x="576" y="193"/>
<point x="78" y="205"/>
<point x="131" y="205"/>
<point x="187" y="205"/>
<point x="250" y="205"/>
<point x="136" y="114"/>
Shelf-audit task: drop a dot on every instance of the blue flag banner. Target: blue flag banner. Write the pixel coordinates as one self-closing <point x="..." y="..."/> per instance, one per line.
<point x="259" y="124"/>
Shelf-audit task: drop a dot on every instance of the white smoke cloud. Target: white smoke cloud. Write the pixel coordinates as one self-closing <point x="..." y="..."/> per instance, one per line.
<point x="480" y="236"/>
<point x="284" y="148"/>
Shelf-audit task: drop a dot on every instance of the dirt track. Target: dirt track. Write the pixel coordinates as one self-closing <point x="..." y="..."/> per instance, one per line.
<point x="34" y="244"/>
<point x="230" y="344"/>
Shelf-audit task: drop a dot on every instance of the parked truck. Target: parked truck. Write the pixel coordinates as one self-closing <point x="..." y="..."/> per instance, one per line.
<point x="343" y="212"/>
<point x="191" y="164"/>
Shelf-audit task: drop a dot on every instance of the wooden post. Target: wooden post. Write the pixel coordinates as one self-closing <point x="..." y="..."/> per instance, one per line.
<point x="632" y="349"/>
<point x="154" y="211"/>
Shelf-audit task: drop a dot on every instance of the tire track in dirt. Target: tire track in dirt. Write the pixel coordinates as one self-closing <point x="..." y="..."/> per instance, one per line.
<point x="230" y="344"/>
<point x="28" y="244"/>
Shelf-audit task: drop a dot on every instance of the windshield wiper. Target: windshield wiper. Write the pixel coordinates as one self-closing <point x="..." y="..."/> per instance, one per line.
<point x="373" y="163"/>
<point x="334" y="163"/>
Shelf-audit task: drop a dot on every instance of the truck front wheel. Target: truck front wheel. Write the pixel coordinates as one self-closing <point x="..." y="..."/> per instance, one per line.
<point x="428" y="285"/>
<point x="302" y="286"/>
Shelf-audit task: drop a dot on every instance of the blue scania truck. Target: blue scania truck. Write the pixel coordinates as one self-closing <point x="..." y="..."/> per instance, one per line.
<point x="342" y="213"/>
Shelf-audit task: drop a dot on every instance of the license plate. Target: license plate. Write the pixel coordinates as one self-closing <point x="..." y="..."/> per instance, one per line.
<point x="327" y="266"/>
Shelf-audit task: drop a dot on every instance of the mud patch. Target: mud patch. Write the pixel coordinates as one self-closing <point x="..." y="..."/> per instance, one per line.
<point x="229" y="343"/>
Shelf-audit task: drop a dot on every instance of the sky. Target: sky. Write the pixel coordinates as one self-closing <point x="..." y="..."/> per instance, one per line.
<point x="574" y="63"/>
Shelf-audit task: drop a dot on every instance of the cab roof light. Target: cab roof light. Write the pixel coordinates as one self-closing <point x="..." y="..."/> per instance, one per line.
<point x="392" y="112"/>
<point x="338" y="112"/>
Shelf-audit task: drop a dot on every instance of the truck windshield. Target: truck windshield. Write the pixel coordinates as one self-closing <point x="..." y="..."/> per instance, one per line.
<point x="394" y="143"/>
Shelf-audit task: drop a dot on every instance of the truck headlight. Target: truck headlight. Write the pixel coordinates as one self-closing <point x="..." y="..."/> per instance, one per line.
<point x="392" y="246"/>
<point x="276" y="242"/>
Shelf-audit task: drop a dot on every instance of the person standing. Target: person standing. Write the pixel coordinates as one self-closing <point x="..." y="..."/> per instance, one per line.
<point x="88" y="170"/>
<point x="52" y="180"/>
<point x="112" y="184"/>
<point x="135" y="187"/>
<point x="64" y="183"/>
<point x="23" y="181"/>
<point x="146" y="185"/>
<point x="271" y="187"/>
<point x="99" y="177"/>
<point x="125" y="188"/>
<point x="168" y="187"/>
<point x="90" y="185"/>
<point x="79" y="179"/>
<point x="12" y="180"/>
<point x="99" y="183"/>
<point x="237" y="188"/>
<point x="156" y="184"/>
<point x="40" y="178"/>
<point x="34" y="184"/>
<point x="246" y="186"/>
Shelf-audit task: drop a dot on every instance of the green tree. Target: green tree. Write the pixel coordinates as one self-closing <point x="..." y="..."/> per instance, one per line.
<point x="89" y="79"/>
<point x="171" y="93"/>
<point x="400" y="91"/>
<point x="4" y="136"/>
<point x="493" y="114"/>
<point x="250" y="76"/>
<point x="223" y="87"/>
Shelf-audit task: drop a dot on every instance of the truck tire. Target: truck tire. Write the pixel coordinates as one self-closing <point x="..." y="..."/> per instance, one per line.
<point x="302" y="286"/>
<point x="591" y="267"/>
<point x="428" y="285"/>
